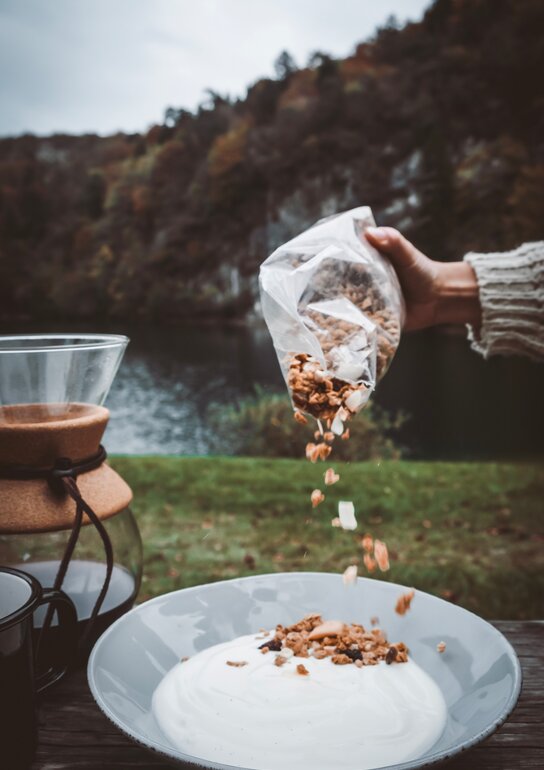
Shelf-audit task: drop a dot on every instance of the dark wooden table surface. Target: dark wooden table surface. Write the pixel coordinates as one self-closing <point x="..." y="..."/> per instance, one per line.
<point x="75" y="735"/>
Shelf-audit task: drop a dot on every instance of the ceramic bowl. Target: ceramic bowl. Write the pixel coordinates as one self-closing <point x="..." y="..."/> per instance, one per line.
<point x="479" y="674"/>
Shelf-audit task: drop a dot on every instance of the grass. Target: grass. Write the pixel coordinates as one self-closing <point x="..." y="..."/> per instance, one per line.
<point x="470" y="532"/>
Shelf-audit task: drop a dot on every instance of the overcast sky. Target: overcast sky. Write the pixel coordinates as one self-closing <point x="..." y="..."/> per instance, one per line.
<point x="100" y="66"/>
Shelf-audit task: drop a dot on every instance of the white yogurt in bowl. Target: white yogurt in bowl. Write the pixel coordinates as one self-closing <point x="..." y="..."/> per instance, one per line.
<point x="266" y="717"/>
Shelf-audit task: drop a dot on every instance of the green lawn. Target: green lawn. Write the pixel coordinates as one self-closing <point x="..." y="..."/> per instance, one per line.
<point x="471" y="532"/>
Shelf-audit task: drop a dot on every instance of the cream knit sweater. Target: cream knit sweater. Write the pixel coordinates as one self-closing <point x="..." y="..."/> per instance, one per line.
<point x="511" y="287"/>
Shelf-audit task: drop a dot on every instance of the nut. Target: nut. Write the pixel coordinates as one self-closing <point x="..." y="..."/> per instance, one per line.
<point x="328" y="628"/>
<point x="341" y="660"/>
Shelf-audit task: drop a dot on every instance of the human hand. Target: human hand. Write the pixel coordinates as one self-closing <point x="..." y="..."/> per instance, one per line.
<point x="434" y="292"/>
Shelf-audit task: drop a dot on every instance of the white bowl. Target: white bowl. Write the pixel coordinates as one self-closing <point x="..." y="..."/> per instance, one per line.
<point x="479" y="674"/>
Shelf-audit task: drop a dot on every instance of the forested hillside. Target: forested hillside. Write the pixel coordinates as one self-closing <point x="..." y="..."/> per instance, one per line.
<point x="439" y="126"/>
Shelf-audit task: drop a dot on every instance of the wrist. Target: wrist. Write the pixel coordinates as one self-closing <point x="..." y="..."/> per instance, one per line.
<point x="458" y="299"/>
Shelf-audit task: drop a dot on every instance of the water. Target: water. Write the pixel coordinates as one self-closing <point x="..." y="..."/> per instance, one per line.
<point x="461" y="406"/>
<point x="161" y="397"/>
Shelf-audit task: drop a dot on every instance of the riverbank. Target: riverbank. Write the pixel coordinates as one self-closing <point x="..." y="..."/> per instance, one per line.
<point x="470" y="532"/>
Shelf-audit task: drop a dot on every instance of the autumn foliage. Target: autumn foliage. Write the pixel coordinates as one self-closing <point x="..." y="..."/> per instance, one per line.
<point x="437" y="125"/>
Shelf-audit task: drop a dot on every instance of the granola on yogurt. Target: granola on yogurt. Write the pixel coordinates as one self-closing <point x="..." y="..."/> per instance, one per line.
<point x="345" y="644"/>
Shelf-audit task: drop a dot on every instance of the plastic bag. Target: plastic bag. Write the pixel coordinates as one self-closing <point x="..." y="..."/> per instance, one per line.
<point x="334" y="308"/>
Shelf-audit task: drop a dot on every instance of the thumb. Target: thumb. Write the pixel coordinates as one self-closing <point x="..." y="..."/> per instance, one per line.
<point x="390" y="242"/>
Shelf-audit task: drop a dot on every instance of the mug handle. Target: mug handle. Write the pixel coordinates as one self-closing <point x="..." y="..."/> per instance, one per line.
<point x="68" y="625"/>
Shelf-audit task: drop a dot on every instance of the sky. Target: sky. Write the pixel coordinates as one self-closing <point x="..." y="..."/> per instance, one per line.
<point x="78" y="66"/>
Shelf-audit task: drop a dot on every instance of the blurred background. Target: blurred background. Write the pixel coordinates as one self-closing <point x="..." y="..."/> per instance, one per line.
<point x="152" y="155"/>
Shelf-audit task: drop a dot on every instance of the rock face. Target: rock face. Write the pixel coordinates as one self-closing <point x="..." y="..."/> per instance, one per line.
<point x="430" y="124"/>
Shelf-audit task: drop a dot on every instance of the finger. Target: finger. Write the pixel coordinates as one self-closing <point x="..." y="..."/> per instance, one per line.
<point x="392" y="243"/>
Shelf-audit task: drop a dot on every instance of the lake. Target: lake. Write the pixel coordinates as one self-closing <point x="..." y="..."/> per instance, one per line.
<point x="460" y="406"/>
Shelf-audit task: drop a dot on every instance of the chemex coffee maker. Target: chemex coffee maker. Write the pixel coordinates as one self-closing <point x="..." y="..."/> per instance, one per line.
<point x="64" y="512"/>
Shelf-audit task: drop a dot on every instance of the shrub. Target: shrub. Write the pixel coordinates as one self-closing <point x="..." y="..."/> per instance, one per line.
<point x="263" y="426"/>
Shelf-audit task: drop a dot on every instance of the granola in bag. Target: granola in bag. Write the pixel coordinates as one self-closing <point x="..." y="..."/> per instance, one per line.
<point x="334" y="309"/>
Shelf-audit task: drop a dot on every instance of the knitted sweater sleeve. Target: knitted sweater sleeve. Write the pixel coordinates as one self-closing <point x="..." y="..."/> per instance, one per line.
<point x="511" y="289"/>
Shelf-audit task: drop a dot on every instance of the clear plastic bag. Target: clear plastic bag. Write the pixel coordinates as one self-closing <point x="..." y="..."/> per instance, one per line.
<point x="334" y="309"/>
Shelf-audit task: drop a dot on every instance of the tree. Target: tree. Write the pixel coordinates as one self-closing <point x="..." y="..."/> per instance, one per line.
<point x="213" y="100"/>
<point x="392" y="22"/>
<point x="94" y="194"/>
<point x="437" y="125"/>
<point x="262" y="99"/>
<point x="284" y="66"/>
<point x="171" y="116"/>
<point x="326" y="66"/>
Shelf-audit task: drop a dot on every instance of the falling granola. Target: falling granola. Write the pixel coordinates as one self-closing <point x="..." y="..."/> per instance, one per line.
<point x="331" y="477"/>
<point x="381" y="555"/>
<point x="346" y="514"/>
<point x="404" y="602"/>
<point x="334" y="309"/>
<point x="350" y="575"/>
<point x="317" y="497"/>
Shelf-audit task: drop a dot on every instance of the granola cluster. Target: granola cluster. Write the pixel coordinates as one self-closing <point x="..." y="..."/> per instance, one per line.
<point x="344" y="644"/>
<point x="404" y="602"/>
<point x="315" y="392"/>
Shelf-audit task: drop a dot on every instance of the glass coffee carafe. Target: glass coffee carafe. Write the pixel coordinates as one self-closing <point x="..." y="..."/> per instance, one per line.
<point x="64" y="513"/>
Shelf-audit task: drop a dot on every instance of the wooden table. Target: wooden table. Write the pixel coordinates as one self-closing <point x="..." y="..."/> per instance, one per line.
<point x="75" y="735"/>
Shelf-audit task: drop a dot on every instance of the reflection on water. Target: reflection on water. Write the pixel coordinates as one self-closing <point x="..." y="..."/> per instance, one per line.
<point x="461" y="406"/>
<point x="169" y="378"/>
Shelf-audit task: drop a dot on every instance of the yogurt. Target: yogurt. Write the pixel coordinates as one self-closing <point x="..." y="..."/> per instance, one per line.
<point x="266" y="717"/>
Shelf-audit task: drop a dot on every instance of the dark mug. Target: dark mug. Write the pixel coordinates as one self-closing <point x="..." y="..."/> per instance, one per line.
<point x="20" y="596"/>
